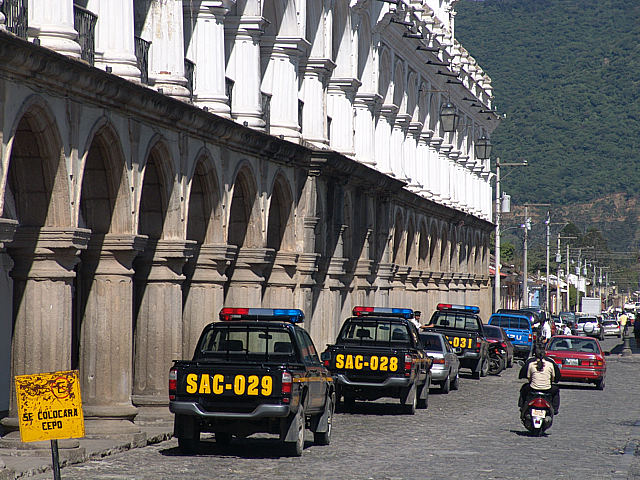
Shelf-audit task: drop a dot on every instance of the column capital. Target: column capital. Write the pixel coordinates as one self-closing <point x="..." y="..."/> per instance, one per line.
<point x="121" y="248"/>
<point x="369" y="100"/>
<point x="317" y="66"/>
<point x="245" y="25"/>
<point x="166" y="259"/>
<point x="346" y="85"/>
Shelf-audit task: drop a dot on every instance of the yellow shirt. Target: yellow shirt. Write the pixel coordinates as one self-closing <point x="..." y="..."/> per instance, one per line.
<point x="622" y="319"/>
<point x="540" y="380"/>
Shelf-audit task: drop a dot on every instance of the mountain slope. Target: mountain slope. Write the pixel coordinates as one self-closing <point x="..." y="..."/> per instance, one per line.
<point x="566" y="73"/>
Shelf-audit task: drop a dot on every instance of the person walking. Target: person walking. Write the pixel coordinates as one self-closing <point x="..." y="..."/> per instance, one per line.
<point x="623" y="320"/>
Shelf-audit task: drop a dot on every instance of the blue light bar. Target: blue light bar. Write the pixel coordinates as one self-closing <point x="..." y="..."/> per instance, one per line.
<point x="293" y="315"/>
<point x="401" y="312"/>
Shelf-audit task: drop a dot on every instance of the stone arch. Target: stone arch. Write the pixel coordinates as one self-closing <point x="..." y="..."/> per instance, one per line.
<point x="453" y="249"/>
<point x="478" y="253"/>
<point x="398" y="84"/>
<point x="36" y="190"/>
<point x="105" y="201"/>
<point x="244" y="225"/>
<point x="347" y="222"/>
<point x="434" y="252"/>
<point x="412" y="97"/>
<point x="365" y="54"/>
<point x="384" y="76"/>
<point x="423" y="245"/>
<point x="157" y="190"/>
<point x="444" y="248"/>
<point x="423" y="103"/>
<point x="280" y="229"/>
<point x="411" y="256"/>
<point x="399" y="238"/>
<point x="434" y="108"/>
<point x="204" y="223"/>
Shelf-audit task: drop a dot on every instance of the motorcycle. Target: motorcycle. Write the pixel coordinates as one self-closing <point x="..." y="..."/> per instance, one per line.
<point x="537" y="413"/>
<point x="497" y="358"/>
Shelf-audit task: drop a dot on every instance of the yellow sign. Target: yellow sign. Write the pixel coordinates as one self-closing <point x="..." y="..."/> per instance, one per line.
<point x="49" y="406"/>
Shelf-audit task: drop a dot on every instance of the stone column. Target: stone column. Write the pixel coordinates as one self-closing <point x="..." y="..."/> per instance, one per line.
<point x="364" y="127"/>
<point x="106" y="336"/>
<point x="340" y="97"/>
<point x="363" y="273"/>
<point x="52" y="24"/>
<point x="158" y="326"/>
<point x="163" y="28"/>
<point x="43" y="277"/>
<point x="282" y="72"/>
<point x="411" y="155"/>
<point x="7" y="230"/>
<point x="247" y="277"/>
<point x="314" y="114"/>
<point x="206" y="292"/>
<point x="383" y="138"/>
<point x="244" y="34"/>
<point x="424" y="165"/>
<point x="114" y="40"/>
<point x="206" y="50"/>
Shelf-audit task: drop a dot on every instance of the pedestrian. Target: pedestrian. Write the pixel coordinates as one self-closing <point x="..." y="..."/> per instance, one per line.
<point x="416" y="319"/>
<point x="546" y="331"/>
<point x="566" y="330"/>
<point x="636" y="332"/>
<point x="622" y="320"/>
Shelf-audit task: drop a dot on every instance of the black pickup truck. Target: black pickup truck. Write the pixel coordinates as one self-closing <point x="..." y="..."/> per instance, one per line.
<point x="378" y="354"/>
<point x="255" y="371"/>
<point x="462" y="327"/>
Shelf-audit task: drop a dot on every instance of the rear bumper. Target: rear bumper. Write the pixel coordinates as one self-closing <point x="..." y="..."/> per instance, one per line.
<point x="391" y="382"/>
<point x="439" y="373"/>
<point x="261" y="411"/>
<point x="580" y="374"/>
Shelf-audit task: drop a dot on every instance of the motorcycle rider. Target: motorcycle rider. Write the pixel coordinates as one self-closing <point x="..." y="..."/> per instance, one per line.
<point x="541" y="371"/>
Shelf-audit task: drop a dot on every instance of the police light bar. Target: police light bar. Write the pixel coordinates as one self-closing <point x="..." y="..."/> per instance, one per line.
<point x="396" y="312"/>
<point x="293" y="315"/>
<point x="449" y="306"/>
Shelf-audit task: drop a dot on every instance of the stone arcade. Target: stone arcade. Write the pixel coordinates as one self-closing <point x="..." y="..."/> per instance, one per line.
<point x="299" y="161"/>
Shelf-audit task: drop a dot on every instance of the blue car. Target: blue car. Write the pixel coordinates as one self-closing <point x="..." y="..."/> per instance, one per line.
<point x="518" y="329"/>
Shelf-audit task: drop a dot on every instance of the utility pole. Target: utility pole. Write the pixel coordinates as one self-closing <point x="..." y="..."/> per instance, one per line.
<point x="558" y="259"/>
<point x="568" y="287"/>
<point x="558" y="297"/>
<point x="497" y="299"/>
<point x="525" y="276"/>
<point x="548" y="222"/>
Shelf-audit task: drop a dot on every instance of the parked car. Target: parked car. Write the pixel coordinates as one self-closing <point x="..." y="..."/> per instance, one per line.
<point x="496" y="334"/>
<point x="580" y="359"/>
<point x="446" y="365"/>
<point x="589" y="326"/>
<point x="569" y="318"/>
<point x="518" y="328"/>
<point x="612" y="327"/>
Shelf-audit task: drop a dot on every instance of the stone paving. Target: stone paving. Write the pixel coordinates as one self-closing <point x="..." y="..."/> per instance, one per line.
<point x="473" y="433"/>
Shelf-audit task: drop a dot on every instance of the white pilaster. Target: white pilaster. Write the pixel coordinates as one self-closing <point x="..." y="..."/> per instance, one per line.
<point x="114" y="40"/>
<point x="52" y="23"/>
<point x="314" y="114"/>
<point x="243" y="34"/>
<point x="340" y="96"/>
<point x="206" y="50"/>
<point x="163" y="28"/>
<point x="364" y="127"/>
<point x="383" y="138"/>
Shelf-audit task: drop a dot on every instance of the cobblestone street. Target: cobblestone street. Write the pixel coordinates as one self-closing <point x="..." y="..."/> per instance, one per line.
<point x="473" y="433"/>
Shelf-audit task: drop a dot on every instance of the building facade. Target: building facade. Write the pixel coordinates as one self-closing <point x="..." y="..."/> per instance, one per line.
<point x="164" y="158"/>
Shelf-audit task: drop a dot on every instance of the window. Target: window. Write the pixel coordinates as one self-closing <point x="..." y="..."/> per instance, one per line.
<point x="372" y="332"/>
<point x="249" y="341"/>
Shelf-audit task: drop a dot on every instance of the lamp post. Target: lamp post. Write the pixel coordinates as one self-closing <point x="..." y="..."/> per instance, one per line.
<point x="482" y="144"/>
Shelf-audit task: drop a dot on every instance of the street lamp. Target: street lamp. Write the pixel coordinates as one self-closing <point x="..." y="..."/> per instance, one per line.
<point x="482" y="148"/>
<point x="448" y="117"/>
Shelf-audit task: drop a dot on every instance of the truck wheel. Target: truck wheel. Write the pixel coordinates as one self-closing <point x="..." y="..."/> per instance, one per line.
<point x="349" y="403"/>
<point x="424" y="402"/>
<point x="456" y="382"/>
<point x="446" y="385"/>
<point x="410" y="408"/>
<point x="223" y="438"/>
<point x="294" y="449"/>
<point x="187" y="431"/>
<point x="324" y="438"/>
<point x="485" y="367"/>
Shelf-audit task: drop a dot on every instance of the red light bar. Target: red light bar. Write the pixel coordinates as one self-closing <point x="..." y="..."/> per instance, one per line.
<point x="227" y="314"/>
<point x="357" y="311"/>
<point x="444" y="306"/>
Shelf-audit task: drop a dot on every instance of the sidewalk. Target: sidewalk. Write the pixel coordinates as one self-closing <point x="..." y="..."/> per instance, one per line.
<point x="22" y="463"/>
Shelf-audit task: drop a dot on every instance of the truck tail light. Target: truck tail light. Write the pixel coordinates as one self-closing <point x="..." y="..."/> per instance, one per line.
<point x="530" y="338"/>
<point x="439" y="361"/>
<point x="503" y="345"/>
<point x="287" y="383"/>
<point x="408" y="365"/>
<point x="173" y="383"/>
<point x="478" y="344"/>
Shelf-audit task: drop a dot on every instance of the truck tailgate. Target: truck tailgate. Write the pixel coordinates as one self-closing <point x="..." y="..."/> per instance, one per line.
<point x="371" y="364"/>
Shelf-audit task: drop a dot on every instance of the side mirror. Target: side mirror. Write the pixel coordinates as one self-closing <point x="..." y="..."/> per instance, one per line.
<point x="325" y="356"/>
<point x="606" y="354"/>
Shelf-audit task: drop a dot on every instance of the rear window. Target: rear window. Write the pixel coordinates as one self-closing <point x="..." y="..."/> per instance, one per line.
<point x="583" y="345"/>
<point x="514" y="323"/>
<point x="492" y="332"/>
<point x="431" y="342"/>
<point x="247" y="341"/>
<point x="455" y="320"/>
<point x="587" y="319"/>
<point x="378" y="332"/>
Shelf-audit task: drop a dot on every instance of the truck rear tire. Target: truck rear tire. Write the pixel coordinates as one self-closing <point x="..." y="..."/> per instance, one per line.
<point x="187" y="430"/>
<point x="188" y="445"/>
<point x="223" y="438"/>
<point x="294" y="449"/>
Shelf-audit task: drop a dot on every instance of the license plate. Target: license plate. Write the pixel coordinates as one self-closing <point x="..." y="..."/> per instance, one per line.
<point x="460" y="342"/>
<point x="538" y="413"/>
<point x="219" y="384"/>
<point x="571" y="361"/>
<point x="361" y="362"/>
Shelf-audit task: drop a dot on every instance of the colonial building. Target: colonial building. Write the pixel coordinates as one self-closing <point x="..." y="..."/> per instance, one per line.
<point x="163" y="158"/>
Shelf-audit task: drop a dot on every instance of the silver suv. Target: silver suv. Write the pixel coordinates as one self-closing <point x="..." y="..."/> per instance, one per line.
<point x="590" y="327"/>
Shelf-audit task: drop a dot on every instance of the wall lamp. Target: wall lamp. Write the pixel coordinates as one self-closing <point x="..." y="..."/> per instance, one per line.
<point x="448" y="117"/>
<point x="482" y="148"/>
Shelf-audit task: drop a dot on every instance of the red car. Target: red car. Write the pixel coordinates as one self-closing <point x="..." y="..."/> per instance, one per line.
<point x="580" y="359"/>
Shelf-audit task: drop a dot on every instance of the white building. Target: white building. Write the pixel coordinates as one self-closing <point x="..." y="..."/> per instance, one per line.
<point x="163" y="158"/>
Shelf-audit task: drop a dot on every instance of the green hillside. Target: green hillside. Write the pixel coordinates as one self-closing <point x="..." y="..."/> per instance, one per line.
<point x="567" y="75"/>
